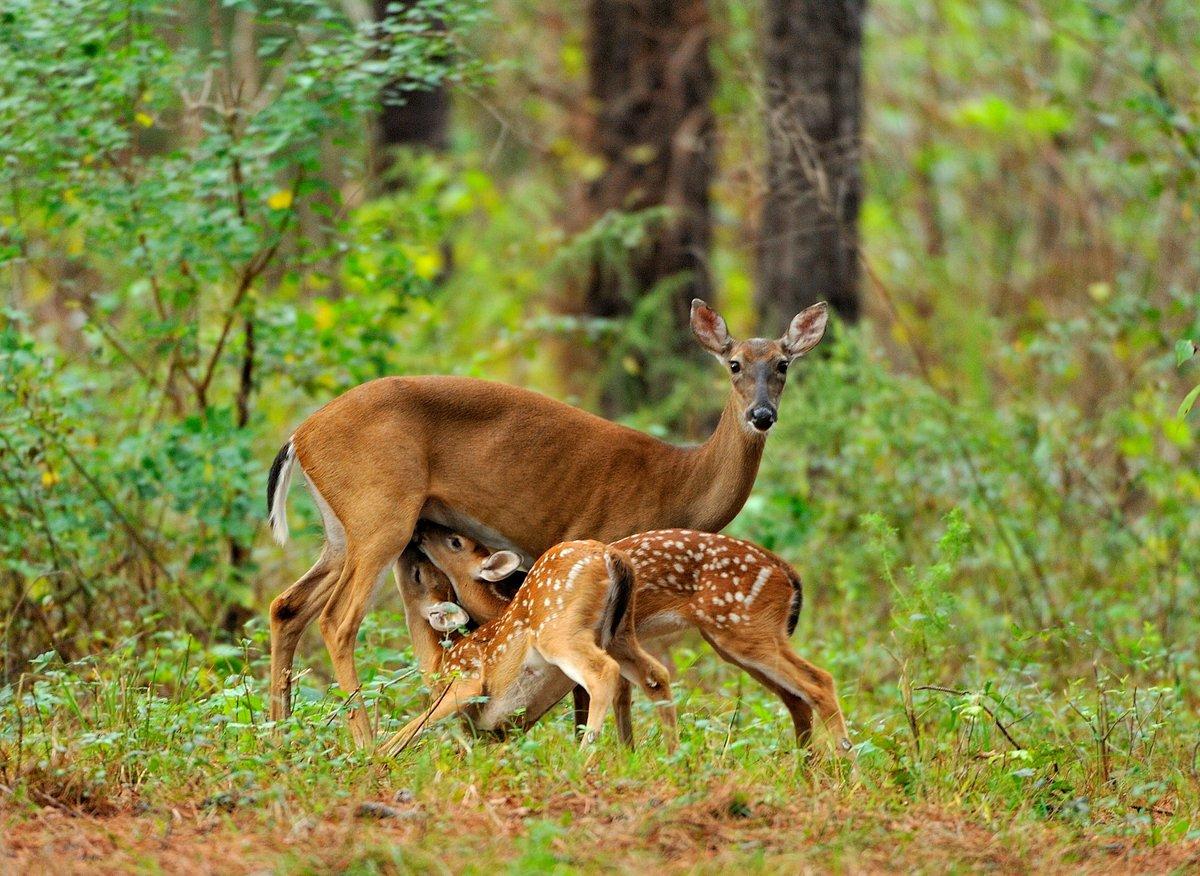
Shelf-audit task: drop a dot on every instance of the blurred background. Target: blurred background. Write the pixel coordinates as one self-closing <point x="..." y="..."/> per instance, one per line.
<point x="215" y="217"/>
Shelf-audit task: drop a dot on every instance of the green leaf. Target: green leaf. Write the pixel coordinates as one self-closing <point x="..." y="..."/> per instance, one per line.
<point x="1184" y="350"/>
<point x="1185" y="406"/>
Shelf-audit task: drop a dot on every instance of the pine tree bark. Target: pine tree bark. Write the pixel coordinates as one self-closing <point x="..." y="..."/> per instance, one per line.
<point x="808" y="246"/>
<point x="650" y="86"/>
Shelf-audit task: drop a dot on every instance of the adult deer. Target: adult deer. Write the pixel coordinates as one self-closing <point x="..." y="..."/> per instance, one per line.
<point x="509" y="467"/>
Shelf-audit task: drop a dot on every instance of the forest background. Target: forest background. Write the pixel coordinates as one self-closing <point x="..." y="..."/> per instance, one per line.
<point x="216" y="216"/>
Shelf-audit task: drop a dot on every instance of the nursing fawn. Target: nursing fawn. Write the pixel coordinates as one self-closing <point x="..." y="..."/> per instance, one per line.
<point x="570" y="623"/>
<point x="744" y="600"/>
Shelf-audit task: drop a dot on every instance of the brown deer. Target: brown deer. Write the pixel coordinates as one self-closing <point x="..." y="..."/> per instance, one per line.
<point x="507" y="466"/>
<point x="743" y="599"/>
<point x="570" y="623"/>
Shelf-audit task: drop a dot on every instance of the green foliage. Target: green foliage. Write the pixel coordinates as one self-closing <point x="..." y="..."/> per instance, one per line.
<point x="167" y="216"/>
<point x="990" y="488"/>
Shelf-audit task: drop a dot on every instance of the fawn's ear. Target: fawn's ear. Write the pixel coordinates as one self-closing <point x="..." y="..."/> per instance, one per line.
<point x="499" y="566"/>
<point x="710" y="330"/>
<point x="805" y="331"/>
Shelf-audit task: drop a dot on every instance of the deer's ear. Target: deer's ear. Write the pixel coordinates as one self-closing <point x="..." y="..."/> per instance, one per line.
<point x="710" y="330"/>
<point x="806" y="330"/>
<point x="499" y="566"/>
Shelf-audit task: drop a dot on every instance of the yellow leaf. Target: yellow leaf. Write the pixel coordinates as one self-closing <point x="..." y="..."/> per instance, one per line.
<point x="1177" y="432"/>
<point x="643" y="153"/>
<point x="1099" y="291"/>
<point x="324" y="315"/>
<point x="146" y="121"/>
<point x="49" y="477"/>
<point x="592" y="168"/>
<point x="427" y="264"/>
<point x="280" y="200"/>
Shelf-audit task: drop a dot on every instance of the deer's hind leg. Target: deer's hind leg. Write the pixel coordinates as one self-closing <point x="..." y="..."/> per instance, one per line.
<point x="638" y="667"/>
<point x="623" y="712"/>
<point x="371" y="549"/>
<point x="584" y="662"/>
<point x="803" y="686"/>
<point x="660" y="650"/>
<point x="800" y="711"/>
<point x="291" y="613"/>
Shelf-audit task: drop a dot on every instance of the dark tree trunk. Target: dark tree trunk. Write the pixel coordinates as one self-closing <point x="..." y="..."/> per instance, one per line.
<point x="408" y="118"/>
<point x="808" y="246"/>
<point x="651" y="84"/>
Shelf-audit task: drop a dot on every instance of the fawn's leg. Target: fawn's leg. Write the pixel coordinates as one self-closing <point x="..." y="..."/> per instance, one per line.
<point x="622" y="706"/>
<point x="652" y="677"/>
<point x="821" y="691"/>
<point x="586" y="664"/>
<point x="580" y="704"/>
<point x="455" y="697"/>
<point x="622" y="711"/>
<point x="802" y="686"/>
<point x="800" y="711"/>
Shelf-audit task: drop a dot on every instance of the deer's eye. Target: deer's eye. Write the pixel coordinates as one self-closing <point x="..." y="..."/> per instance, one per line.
<point x="735" y="367"/>
<point x="417" y="575"/>
<point x="455" y="543"/>
<point x="782" y="366"/>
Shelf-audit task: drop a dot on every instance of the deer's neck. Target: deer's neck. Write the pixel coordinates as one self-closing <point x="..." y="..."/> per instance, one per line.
<point x="718" y="475"/>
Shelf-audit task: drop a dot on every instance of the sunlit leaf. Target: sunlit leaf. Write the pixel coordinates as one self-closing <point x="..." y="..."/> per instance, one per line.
<point x="1189" y="400"/>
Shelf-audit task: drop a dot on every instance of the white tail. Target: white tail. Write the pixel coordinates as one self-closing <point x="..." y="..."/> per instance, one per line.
<point x="278" y="481"/>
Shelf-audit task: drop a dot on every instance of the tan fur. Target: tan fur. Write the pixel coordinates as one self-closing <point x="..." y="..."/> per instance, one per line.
<point x="561" y="619"/>
<point x="531" y="469"/>
<point x="737" y="595"/>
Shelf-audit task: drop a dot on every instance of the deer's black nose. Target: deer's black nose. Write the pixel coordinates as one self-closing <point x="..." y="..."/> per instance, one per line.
<point x="761" y="417"/>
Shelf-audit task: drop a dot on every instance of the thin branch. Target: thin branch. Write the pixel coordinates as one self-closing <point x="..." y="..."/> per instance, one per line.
<point x="963" y="693"/>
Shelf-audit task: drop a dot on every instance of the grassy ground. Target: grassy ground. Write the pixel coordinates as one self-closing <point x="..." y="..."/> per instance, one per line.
<point x="163" y="763"/>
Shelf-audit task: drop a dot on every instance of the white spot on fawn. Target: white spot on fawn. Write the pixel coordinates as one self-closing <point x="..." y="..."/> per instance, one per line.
<point x="763" y="574"/>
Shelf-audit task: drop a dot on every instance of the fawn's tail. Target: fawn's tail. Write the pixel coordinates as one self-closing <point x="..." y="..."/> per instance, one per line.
<point x="622" y="576"/>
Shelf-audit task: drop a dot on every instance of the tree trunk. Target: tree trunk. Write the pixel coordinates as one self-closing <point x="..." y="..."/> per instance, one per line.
<point x="419" y="119"/>
<point x="808" y="246"/>
<point x="653" y="129"/>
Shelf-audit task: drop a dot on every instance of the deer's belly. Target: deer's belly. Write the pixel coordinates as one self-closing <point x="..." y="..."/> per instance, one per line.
<point x="668" y="625"/>
<point x="439" y="512"/>
<point x="537" y="688"/>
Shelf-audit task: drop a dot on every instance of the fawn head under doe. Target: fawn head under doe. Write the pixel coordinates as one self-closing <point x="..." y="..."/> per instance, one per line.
<point x="463" y="559"/>
<point x="430" y="593"/>
<point x="758" y="366"/>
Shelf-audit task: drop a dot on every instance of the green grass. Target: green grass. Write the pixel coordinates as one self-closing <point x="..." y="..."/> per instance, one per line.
<point x="162" y="752"/>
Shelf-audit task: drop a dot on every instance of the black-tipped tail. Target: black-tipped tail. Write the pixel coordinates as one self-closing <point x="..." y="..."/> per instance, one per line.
<point x="278" y="481"/>
<point x="620" y="596"/>
<point x="797" y="599"/>
<point x="273" y="476"/>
